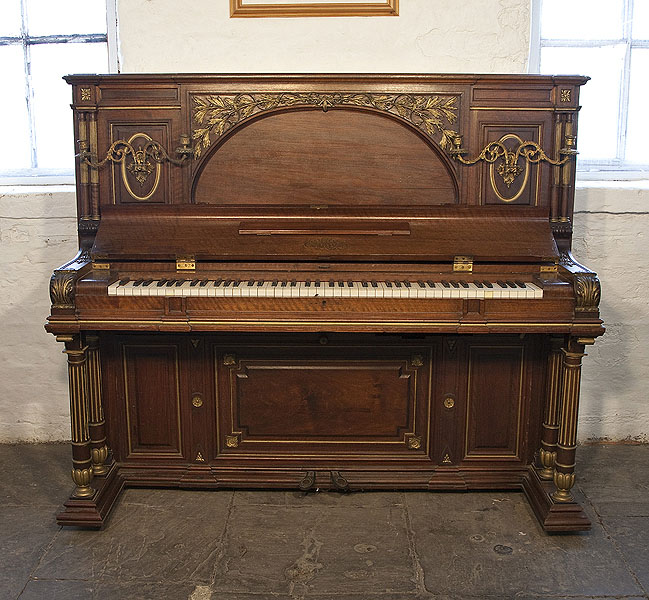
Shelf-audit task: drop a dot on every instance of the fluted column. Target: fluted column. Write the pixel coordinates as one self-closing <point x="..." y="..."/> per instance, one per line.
<point x="96" y="425"/>
<point x="550" y="431"/>
<point x="564" y="467"/>
<point x="78" y="383"/>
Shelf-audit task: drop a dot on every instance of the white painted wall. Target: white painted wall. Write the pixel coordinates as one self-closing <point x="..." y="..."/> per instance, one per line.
<point x="37" y="226"/>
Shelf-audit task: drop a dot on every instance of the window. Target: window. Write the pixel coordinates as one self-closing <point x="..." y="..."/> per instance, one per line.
<point x="609" y="41"/>
<point x="40" y="42"/>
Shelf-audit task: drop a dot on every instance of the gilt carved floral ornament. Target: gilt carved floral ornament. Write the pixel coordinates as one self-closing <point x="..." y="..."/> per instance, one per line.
<point x="214" y="115"/>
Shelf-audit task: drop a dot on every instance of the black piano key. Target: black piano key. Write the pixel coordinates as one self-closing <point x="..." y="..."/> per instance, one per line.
<point x="227" y="282"/>
<point x="274" y="284"/>
<point x="170" y="282"/>
<point x="446" y="284"/>
<point x="431" y="284"/>
<point x="204" y="282"/>
<point x="488" y="284"/>
<point x="520" y="284"/>
<point x="161" y="282"/>
<point x="478" y="283"/>
<point x="332" y="283"/>
<point x="464" y="284"/>
<point x="374" y="284"/>
<point x="307" y="283"/>
<point x="397" y="284"/>
<point x="218" y="282"/>
<point x="455" y="284"/>
<point x="124" y="281"/>
<point x="407" y="284"/>
<point x="511" y="284"/>
<point x="180" y="282"/>
<point x="283" y="284"/>
<point x="147" y="282"/>
<point x="293" y="283"/>
<point x="251" y="282"/>
<point x="260" y="283"/>
<point x="317" y="283"/>
<point x="138" y="282"/>
<point x="194" y="282"/>
<point x="502" y="284"/>
<point x="350" y="284"/>
<point x="421" y="284"/>
<point x="236" y="283"/>
<point x="388" y="284"/>
<point x="364" y="283"/>
<point x="341" y="284"/>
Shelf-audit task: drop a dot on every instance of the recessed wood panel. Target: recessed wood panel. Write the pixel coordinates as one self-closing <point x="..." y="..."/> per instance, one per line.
<point x="152" y="398"/>
<point x="339" y="157"/>
<point x="494" y="400"/>
<point x="324" y="400"/>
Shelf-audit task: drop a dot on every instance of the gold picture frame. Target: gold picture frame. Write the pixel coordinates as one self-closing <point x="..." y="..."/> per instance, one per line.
<point x="248" y="8"/>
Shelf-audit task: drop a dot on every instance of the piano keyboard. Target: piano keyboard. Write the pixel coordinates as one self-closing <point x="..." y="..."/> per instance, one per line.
<point x="234" y="288"/>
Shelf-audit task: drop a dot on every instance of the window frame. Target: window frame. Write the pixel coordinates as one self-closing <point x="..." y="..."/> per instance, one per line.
<point x="617" y="168"/>
<point x="34" y="175"/>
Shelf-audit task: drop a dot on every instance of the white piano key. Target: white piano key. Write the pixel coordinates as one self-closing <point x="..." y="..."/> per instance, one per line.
<point x="112" y="289"/>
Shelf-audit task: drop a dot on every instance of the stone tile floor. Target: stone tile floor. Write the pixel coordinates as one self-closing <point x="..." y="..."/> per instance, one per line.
<point x="243" y="545"/>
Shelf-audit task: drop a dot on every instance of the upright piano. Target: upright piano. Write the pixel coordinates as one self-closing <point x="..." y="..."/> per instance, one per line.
<point x="346" y="282"/>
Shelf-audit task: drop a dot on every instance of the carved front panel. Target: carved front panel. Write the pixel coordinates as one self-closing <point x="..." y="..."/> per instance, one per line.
<point x="139" y="178"/>
<point x="495" y="393"/>
<point x="322" y="400"/>
<point x="511" y="179"/>
<point x="152" y="396"/>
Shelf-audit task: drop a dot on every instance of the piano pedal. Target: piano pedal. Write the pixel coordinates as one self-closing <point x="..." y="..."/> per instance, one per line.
<point x="307" y="482"/>
<point x="339" y="482"/>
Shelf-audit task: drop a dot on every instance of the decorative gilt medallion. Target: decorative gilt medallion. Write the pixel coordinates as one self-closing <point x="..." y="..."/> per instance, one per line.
<point x="215" y="114"/>
<point x="566" y="95"/>
<point x="85" y="94"/>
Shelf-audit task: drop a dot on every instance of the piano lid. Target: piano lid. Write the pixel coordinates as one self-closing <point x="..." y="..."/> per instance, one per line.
<point x="499" y="234"/>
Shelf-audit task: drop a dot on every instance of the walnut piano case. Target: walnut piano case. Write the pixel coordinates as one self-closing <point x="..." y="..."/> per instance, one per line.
<point x="336" y="281"/>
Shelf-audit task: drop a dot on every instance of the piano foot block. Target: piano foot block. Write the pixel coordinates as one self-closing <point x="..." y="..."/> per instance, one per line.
<point x="92" y="513"/>
<point x="553" y="516"/>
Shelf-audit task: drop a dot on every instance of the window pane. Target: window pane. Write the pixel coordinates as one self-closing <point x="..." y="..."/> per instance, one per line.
<point x="10" y="18"/>
<point x="582" y="19"/>
<point x="52" y="97"/>
<point x="638" y="125"/>
<point x="598" y="119"/>
<point x="45" y="17"/>
<point x="14" y="124"/>
<point x="641" y="20"/>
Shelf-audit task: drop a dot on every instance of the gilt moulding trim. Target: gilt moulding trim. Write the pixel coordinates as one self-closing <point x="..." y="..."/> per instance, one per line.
<point x="244" y="8"/>
<point x="216" y="114"/>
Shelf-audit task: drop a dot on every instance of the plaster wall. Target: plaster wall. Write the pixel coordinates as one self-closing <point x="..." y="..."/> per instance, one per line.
<point x="37" y="225"/>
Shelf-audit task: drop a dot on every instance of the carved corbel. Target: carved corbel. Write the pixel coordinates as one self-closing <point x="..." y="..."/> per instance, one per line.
<point x="588" y="292"/>
<point x="62" y="288"/>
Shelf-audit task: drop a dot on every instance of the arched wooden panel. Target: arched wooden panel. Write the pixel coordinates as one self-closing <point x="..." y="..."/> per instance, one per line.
<point x="340" y="158"/>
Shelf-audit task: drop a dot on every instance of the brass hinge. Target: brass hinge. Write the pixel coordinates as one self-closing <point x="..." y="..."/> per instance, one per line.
<point x="549" y="268"/>
<point x="100" y="265"/>
<point x="463" y="264"/>
<point x="186" y="262"/>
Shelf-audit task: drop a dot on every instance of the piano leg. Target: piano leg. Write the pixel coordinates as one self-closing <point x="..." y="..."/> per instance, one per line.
<point x="88" y="505"/>
<point x="78" y="382"/>
<point x="564" y="467"/>
<point x="97" y="429"/>
<point x="552" y="502"/>
<point x="550" y="433"/>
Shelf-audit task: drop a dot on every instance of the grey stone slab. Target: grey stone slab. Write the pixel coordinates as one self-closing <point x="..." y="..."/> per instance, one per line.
<point x="631" y="534"/>
<point x="491" y="544"/>
<point x="25" y="533"/>
<point x="39" y="589"/>
<point x="299" y="499"/>
<point x="185" y="503"/>
<point x="615" y="478"/>
<point x="35" y="474"/>
<point x="326" y="550"/>
<point x="141" y="543"/>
